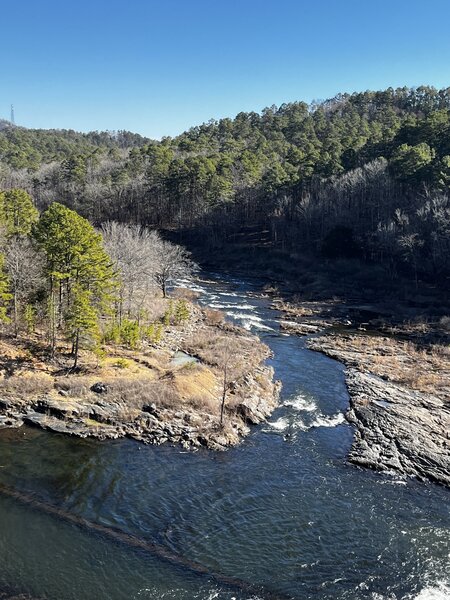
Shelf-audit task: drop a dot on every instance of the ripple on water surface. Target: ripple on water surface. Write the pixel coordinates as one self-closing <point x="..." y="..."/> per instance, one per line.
<point x="284" y="510"/>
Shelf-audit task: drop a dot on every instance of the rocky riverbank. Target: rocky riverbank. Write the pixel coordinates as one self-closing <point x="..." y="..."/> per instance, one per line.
<point x="171" y="391"/>
<point x="397" y="429"/>
<point x="398" y="379"/>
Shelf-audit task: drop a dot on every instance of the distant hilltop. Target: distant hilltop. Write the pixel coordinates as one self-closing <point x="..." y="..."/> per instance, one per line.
<point x="4" y="124"/>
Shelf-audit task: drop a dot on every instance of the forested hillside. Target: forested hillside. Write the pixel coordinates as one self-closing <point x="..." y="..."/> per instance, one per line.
<point x="364" y="175"/>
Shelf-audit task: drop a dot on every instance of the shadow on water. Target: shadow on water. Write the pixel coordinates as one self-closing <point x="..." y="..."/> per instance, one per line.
<point x="131" y="541"/>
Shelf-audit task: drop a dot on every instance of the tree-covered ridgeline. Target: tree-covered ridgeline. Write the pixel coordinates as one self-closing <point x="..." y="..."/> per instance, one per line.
<point x="22" y="148"/>
<point x="62" y="277"/>
<point x="361" y="175"/>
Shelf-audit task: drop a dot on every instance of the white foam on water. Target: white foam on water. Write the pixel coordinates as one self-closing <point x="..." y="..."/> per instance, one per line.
<point x="438" y="591"/>
<point x="297" y="424"/>
<point x="231" y="305"/>
<point x="261" y="327"/>
<point x="280" y="424"/>
<point x="194" y="288"/>
<point x="301" y="403"/>
<point x="249" y="321"/>
<point x="328" y="421"/>
<point x="392" y="478"/>
<point x="244" y="316"/>
<point x="190" y="285"/>
<point x="290" y="323"/>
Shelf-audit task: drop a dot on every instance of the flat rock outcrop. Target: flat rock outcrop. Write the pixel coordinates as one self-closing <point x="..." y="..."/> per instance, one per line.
<point x="104" y="417"/>
<point x="397" y="429"/>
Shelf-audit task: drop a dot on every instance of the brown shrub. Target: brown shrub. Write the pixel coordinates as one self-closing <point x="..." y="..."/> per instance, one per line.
<point x="214" y="317"/>
<point x="75" y="387"/>
<point x="156" y="309"/>
<point x="186" y="294"/>
<point x="441" y="351"/>
<point x="206" y="404"/>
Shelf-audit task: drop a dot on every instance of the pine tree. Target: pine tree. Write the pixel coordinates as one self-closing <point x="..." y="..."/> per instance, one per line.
<point x="5" y="296"/>
<point x="81" y="322"/>
<point x="76" y="263"/>
<point x="17" y="212"/>
<point x="73" y="248"/>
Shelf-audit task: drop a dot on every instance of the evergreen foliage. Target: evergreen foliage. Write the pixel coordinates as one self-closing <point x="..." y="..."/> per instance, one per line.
<point x="5" y="295"/>
<point x="17" y="212"/>
<point x="297" y="171"/>
<point x="79" y="273"/>
<point x="81" y="321"/>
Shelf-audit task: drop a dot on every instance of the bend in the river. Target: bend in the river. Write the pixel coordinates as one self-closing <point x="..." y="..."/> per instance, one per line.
<point x="284" y="512"/>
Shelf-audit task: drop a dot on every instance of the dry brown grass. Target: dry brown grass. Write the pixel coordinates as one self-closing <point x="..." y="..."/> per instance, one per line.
<point x="401" y="362"/>
<point x="209" y="344"/>
<point x="185" y="294"/>
<point x="205" y="404"/>
<point x="135" y="379"/>
<point x="295" y="310"/>
<point x="27" y="385"/>
<point x="213" y="316"/>
<point x="75" y="386"/>
<point x="195" y="386"/>
<point x="195" y="382"/>
<point x="136" y="393"/>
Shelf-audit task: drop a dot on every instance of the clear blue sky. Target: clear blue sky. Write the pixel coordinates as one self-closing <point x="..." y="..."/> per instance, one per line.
<point x="158" y="67"/>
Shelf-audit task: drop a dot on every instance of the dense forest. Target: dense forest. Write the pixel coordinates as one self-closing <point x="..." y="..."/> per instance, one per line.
<point x="61" y="277"/>
<point x="363" y="175"/>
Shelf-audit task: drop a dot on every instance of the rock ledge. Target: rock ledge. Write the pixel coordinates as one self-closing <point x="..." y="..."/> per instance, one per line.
<point x="397" y="429"/>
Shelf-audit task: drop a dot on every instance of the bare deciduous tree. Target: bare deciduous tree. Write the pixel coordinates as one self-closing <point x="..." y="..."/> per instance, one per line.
<point x="230" y="364"/>
<point x="24" y="265"/>
<point x="172" y="262"/>
<point x="132" y="251"/>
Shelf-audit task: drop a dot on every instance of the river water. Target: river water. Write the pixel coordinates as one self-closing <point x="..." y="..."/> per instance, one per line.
<point x="283" y="512"/>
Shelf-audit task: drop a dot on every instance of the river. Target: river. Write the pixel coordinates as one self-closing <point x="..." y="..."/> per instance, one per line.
<point x="283" y="512"/>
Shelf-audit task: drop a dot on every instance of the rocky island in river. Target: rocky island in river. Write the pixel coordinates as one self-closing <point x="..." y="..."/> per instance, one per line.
<point x="168" y="391"/>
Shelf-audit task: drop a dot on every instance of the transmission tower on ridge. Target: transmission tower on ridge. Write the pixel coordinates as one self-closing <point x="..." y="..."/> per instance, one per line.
<point x="12" y="114"/>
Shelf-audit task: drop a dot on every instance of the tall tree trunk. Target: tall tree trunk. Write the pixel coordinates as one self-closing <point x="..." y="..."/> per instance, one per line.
<point x="75" y="350"/>
<point x="224" y="395"/>
<point x="52" y="316"/>
<point x="16" y="325"/>
<point x="60" y="302"/>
